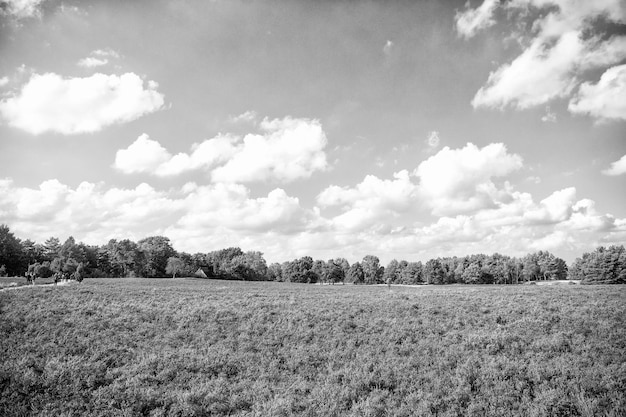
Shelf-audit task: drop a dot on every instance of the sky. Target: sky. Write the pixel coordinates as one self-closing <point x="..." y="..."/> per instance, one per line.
<point x="401" y="129"/>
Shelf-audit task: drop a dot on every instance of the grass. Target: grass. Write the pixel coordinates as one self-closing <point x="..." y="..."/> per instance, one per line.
<point x="200" y="347"/>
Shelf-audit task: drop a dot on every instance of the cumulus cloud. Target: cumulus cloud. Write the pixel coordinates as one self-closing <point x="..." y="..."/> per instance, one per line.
<point x="95" y="213"/>
<point x="617" y="168"/>
<point x="286" y="150"/>
<point x="559" y="51"/>
<point x="535" y="77"/>
<point x="470" y="21"/>
<point x="4" y="81"/>
<point x="143" y="155"/>
<point x="51" y="103"/>
<point x="555" y="208"/>
<point x="604" y="100"/>
<point x="371" y="202"/>
<point x="455" y="181"/>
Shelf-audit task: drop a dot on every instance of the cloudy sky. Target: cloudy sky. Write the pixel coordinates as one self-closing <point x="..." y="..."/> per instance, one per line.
<point x="403" y="129"/>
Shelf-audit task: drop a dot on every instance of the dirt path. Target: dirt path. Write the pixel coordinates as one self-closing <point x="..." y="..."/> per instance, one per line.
<point x="62" y="283"/>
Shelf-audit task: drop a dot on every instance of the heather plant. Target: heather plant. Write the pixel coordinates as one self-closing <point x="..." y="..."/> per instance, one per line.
<point x="207" y="347"/>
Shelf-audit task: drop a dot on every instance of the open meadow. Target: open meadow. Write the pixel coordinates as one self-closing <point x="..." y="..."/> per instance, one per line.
<point x="110" y="347"/>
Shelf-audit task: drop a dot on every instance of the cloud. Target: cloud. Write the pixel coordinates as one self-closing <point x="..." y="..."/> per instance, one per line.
<point x="455" y="181"/>
<point x="4" y="81"/>
<point x="229" y="206"/>
<point x="286" y="150"/>
<point x="91" y="62"/>
<point x="535" y="77"/>
<point x="143" y="155"/>
<point x="563" y="46"/>
<point x="604" y="100"/>
<point x="95" y="213"/>
<point x="98" y="58"/>
<point x="20" y="9"/>
<point x="388" y="47"/>
<point x="553" y="209"/>
<point x="549" y="117"/>
<point x="470" y="21"/>
<point x="433" y="139"/>
<point x="617" y="168"/>
<point x="50" y="103"/>
<point x="249" y="116"/>
<point x="200" y="218"/>
<point x="371" y="202"/>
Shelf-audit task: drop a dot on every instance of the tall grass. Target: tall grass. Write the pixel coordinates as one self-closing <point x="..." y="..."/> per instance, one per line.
<point x="198" y="347"/>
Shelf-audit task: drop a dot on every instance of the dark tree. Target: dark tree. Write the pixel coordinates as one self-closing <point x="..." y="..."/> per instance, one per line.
<point x="11" y="255"/>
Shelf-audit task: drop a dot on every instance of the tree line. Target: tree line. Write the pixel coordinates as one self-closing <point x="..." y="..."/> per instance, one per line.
<point x="155" y="257"/>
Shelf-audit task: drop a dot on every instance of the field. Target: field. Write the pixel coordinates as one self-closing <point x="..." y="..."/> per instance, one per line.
<point x="203" y="347"/>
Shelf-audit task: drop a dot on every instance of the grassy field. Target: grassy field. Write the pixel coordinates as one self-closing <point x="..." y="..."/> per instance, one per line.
<point x="200" y="347"/>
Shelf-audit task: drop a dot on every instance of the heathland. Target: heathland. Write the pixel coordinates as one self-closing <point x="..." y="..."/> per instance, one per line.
<point x="188" y="347"/>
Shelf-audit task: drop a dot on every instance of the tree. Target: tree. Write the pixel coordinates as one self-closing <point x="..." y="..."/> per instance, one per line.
<point x="344" y="264"/>
<point x="275" y="272"/>
<point x="250" y="266"/>
<point x="32" y="252"/>
<point x="372" y="270"/>
<point x="299" y="270"/>
<point x="52" y="246"/>
<point x="11" y="254"/>
<point x="602" y="266"/>
<point x="333" y="272"/>
<point x="40" y="270"/>
<point x="433" y="272"/>
<point x="392" y="272"/>
<point x="124" y="257"/>
<point x="175" y="266"/>
<point x="70" y="249"/>
<point x="355" y="274"/>
<point x="472" y="274"/>
<point x="157" y="250"/>
<point x="319" y="269"/>
<point x="221" y="259"/>
<point x="412" y="273"/>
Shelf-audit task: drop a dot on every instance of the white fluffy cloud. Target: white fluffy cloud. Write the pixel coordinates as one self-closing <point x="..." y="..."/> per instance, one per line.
<point x="371" y="202"/>
<point x="558" y="53"/>
<point x="51" y="103"/>
<point x="617" y="168"/>
<point x="455" y="181"/>
<point x="534" y="77"/>
<point x="94" y="213"/>
<point x="470" y="21"/>
<point x="143" y="155"/>
<point x="604" y="100"/>
<point x="286" y="150"/>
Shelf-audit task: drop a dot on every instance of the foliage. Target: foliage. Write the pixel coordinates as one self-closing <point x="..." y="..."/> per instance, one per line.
<point x="149" y="258"/>
<point x="10" y="250"/>
<point x="602" y="266"/>
<point x="207" y="347"/>
<point x="175" y="266"/>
